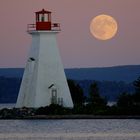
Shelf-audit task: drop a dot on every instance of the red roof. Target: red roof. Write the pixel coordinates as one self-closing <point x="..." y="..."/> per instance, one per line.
<point x="43" y="12"/>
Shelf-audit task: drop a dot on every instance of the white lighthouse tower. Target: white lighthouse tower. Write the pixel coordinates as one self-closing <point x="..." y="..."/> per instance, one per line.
<point x="44" y="80"/>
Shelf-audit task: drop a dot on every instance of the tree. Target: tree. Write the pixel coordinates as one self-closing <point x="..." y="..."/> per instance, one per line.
<point x="129" y="104"/>
<point x="76" y="93"/>
<point x="94" y="96"/>
<point x="137" y="85"/>
<point x="125" y="100"/>
<point x="136" y="95"/>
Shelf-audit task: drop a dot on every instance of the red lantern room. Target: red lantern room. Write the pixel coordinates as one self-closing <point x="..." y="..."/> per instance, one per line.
<point x="43" y="22"/>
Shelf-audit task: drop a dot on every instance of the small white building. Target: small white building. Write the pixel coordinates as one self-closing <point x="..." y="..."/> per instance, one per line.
<point x="44" y="81"/>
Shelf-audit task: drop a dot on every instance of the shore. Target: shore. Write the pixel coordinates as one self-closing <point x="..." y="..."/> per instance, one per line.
<point x="81" y="117"/>
<point x="72" y="117"/>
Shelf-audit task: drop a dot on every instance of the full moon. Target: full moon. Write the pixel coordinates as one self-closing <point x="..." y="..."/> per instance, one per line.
<point x="103" y="27"/>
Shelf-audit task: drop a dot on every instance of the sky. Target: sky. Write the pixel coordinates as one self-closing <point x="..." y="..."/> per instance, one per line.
<point x="78" y="48"/>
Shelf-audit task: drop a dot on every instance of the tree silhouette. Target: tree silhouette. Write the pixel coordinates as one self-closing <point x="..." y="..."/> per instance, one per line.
<point x="136" y="96"/>
<point x="125" y="100"/>
<point x="94" y="96"/>
<point x="76" y="93"/>
<point x="137" y="85"/>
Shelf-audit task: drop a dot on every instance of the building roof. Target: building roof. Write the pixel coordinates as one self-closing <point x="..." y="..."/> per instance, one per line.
<point x="43" y="12"/>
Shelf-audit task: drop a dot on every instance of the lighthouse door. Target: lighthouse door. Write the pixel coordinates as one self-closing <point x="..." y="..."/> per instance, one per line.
<point x="53" y="91"/>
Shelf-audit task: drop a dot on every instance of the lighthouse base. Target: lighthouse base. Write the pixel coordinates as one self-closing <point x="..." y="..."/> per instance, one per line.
<point x="44" y="80"/>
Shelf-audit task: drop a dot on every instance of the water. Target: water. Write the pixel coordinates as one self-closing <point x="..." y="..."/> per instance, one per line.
<point x="7" y="106"/>
<point x="95" y="129"/>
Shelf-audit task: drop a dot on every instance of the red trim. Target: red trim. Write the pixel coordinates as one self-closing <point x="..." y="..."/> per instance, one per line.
<point x="43" y="25"/>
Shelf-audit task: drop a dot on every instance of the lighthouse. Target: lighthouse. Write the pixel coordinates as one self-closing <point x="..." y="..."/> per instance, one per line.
<point x="44" y="81"/>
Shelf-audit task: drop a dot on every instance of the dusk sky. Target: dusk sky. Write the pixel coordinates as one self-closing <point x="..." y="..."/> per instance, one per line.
<point x="78" y="48"/>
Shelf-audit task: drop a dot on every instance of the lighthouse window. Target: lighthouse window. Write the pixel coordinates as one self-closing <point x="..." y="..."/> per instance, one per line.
<point x="46" y="17"/>
<point x="43" y="18"/>
<point x="32" y="59"/>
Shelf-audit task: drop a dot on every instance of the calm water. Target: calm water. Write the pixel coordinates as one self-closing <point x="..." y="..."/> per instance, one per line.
<point x="6" y="106"/>
<point x="70" y="129"/>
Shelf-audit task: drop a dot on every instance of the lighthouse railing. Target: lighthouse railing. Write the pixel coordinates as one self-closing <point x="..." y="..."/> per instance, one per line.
<point x="31" y="27"/>
<point x="54" y="27"/>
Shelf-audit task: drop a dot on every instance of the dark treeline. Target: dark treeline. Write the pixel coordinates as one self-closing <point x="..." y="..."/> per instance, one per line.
<point x="108" y="89"/>
<point x="93" y="104"/>
<point x="130" y="103"/>
<point x="127" y="103"/>
<point x="9" y="88"/>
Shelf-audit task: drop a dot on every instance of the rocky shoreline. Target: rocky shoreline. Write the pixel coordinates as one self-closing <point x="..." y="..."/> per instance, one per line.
<point x="26" y="113"/>
<point x="80" y="117"/>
